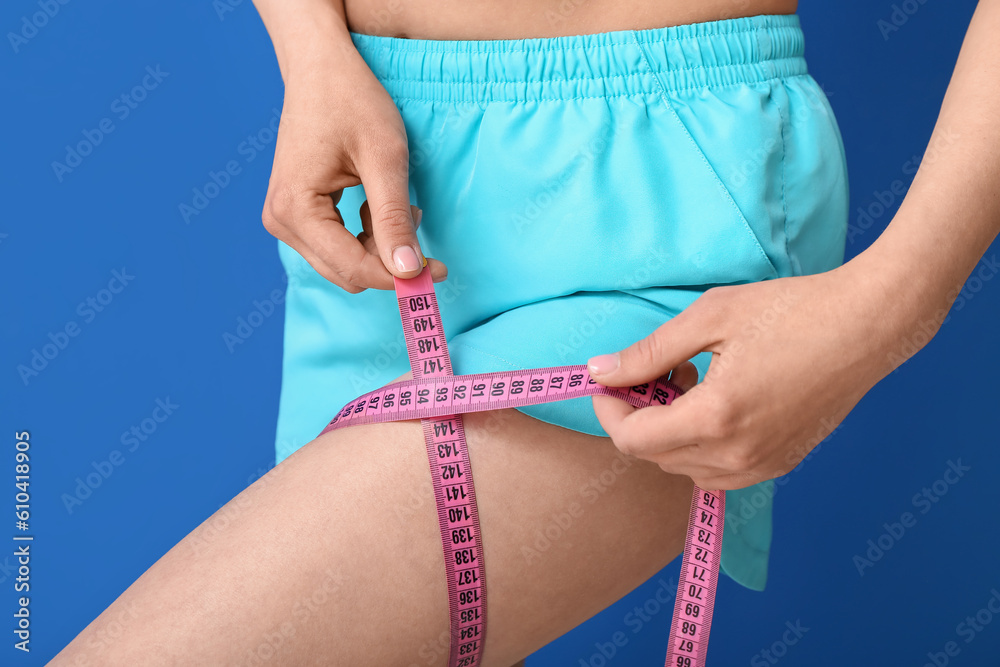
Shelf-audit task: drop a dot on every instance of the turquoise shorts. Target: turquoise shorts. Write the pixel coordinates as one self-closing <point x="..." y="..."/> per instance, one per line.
<point x="582" y="191"/>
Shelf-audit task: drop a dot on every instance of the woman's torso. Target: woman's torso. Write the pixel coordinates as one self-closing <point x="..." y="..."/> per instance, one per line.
<point x="513" y="19"/>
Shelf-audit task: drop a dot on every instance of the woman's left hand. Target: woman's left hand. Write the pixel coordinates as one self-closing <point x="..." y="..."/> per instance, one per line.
<point x="791" y="357"/>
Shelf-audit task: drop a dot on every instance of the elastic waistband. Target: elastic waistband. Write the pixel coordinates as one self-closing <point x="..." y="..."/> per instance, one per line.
<point x="610" y="64"/>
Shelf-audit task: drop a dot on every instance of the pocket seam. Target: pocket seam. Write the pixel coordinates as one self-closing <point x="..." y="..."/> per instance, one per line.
<point x="785" y="124"/>
<point x="701" y="154"/>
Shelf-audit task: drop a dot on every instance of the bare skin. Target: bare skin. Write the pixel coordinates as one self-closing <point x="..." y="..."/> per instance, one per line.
<point x="350" y="518"/>
<point x="515" y="19"/>
<point x="349" y="521"/>
<point x="339" y="128"/>
<point x="328" y="519"/>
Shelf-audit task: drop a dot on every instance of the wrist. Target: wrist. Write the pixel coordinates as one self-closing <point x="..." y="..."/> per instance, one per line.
<point x="318" y="57"/>
<point x="309" y="46"/>
<point x="908" y="288"/>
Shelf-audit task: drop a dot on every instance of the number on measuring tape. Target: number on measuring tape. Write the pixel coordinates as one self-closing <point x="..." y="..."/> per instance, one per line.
<point x="439" y="398"/>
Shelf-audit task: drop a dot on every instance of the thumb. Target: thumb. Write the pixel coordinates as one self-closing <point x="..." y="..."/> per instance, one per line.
<point x="393" y="228"/>
<point x="668" y="347"/>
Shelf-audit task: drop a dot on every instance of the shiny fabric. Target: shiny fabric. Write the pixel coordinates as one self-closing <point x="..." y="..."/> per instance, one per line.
<point x="582" y="191"/>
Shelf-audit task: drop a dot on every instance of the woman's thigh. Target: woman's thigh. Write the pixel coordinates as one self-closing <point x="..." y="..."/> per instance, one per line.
<point x="334" y="557"/>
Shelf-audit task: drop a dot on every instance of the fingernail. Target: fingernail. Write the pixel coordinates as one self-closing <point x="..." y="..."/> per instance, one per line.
<point x="604" y="363"/>
<point x="420" y="215"/>
<point x="405" y="258"/>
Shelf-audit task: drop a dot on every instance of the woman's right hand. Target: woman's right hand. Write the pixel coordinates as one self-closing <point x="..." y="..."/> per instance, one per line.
<point x="339" y="128"/>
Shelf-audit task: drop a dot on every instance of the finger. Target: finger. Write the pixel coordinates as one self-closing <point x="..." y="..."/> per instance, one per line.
<point x="368" y="243"/>
<point x="650" y="431"/>
<point x="323" y="232"/>
<point x="384" y="175"/>
<point x="439" y="271"/>
<point x="319" y="265"/>
<point x="726" y="481"/>
<point x="693" y="460"/>
<point x="611" y="412"/>
<point x="286" y="217"/>
<point x="685" y="376"/>
<point x="365" y="213"/>
<point x="671" y="344"/>
<point x="692" y="466"/>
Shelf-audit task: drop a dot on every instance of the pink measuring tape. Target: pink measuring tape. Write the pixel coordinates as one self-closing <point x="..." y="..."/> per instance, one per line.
<point x="438" y="398"/>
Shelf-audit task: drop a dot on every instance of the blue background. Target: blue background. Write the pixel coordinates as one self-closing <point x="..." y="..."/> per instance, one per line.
<point x="162" y="337"/>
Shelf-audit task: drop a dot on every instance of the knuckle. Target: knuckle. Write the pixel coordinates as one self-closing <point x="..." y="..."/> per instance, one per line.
<point x="710" y="298"/>
<point x="744" y="480"/>
<point x="271" y="221"/>
<point x="394" y="217"/>
<point x="720" y="294"/>
<point x="707" y="484"/>
<point x="720" y="420"/>
<point x="671" y="469"/>
<point x="395" y="151"/>
<point x="390" y="152"/>
<point x="347" y="286"/>
<point x="741" y="459"/>
<point x="334" y="277"/>
<point x="626" y="445"/>
<point x="781" y="471"/>
<point x="647" y="351"/>
<point x="352" y="279"/>
<point x="713" y="302"/>
<point x="278" y="210"/>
